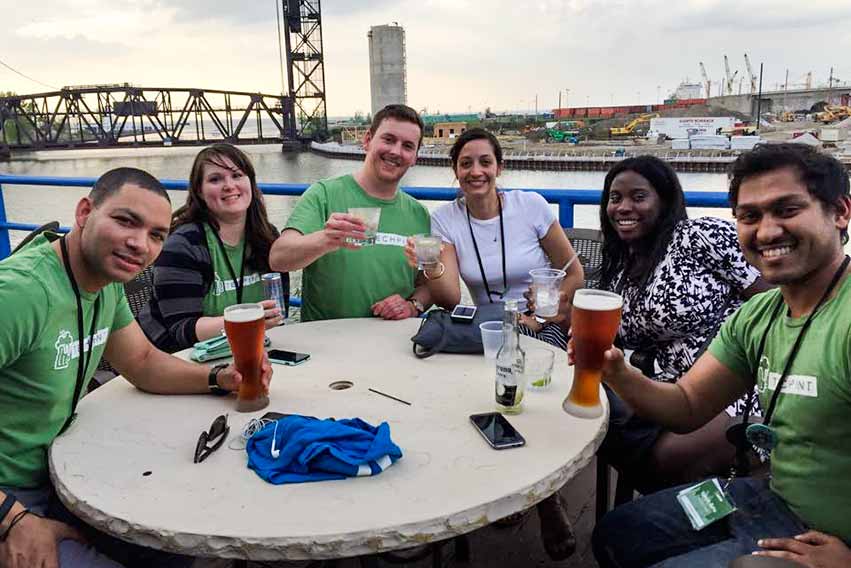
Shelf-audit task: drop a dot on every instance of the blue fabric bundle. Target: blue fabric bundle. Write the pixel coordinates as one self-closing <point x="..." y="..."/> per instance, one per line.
<point x="316" y="450"/>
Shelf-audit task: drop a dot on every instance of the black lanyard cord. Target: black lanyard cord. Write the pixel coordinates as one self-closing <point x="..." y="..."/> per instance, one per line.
<point x="479" y="256"/>
<point x="83" y="361"/>
<point x="795" y="346"/>
<point x="238" y="283"/>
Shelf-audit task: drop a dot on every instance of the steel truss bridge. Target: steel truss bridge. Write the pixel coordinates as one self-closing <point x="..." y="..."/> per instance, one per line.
<point x="97" y="116"/>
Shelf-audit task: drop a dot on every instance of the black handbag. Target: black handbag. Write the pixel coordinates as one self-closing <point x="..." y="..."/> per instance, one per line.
<point x="439" y="334"/>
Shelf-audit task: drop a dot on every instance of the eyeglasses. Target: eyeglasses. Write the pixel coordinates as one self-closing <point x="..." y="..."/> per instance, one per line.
<point x="215" y="437"/>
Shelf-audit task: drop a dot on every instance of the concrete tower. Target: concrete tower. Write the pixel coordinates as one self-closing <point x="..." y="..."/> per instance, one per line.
<point x="388" y="80"/>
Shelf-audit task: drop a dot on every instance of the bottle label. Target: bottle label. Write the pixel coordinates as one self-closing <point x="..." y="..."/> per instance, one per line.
<point x="506" y="386"/>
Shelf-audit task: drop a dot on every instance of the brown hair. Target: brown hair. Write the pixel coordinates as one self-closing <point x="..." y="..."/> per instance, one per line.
<point x="259" y="233"/>
<point x="402" y="113"/>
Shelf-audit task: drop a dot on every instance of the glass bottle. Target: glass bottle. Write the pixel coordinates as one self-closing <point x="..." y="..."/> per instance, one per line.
<point x="510" y="363"/>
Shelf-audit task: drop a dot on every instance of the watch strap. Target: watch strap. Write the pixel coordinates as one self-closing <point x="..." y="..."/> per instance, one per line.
<point x="6" y="506"/>
<point x="212" y="380"/>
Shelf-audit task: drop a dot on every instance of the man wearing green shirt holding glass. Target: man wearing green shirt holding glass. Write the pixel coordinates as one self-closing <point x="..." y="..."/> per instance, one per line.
<point x="341" y="278"/>
<point x="64" y="308"/>
<point x="793" y="345"/>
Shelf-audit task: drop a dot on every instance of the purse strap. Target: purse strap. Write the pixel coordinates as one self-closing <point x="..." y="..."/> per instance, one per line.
<point x="438" y="346"/>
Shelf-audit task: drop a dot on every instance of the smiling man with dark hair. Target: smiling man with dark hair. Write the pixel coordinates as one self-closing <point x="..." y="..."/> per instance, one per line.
<point x="64" y="308"/>
<point x="793" y="345"/>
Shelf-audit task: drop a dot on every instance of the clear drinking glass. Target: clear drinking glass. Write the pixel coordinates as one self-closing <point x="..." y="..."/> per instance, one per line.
<point x="427" y="249"/>
<point x="546" y="282"/>
<point x="539" y="368"/>
<point x="370" y="217"/>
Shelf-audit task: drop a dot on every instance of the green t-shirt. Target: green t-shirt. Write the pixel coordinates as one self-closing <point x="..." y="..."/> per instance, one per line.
<point x="222" y="291"/>
<point x="811" y="465"/>
<point x="345" y="283"/>
<point x="39" y="352"/>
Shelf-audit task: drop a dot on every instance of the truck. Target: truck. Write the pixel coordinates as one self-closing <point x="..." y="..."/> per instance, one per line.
<point x="686" y="126"/>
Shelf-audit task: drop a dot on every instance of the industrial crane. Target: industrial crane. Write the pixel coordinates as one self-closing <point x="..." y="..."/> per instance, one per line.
<point x="707" y="83"/>
<point x="730" y="78"/>
<point x="751" y="76"/>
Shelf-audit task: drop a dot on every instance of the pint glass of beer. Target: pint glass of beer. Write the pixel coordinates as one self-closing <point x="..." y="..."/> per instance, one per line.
<point x="595" y="320"/>
<point x="245" y="330"/>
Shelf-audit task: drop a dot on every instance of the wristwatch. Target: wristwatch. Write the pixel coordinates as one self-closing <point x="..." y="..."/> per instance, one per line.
<point x="212" y="380"/>
<point x="418" y="306"/>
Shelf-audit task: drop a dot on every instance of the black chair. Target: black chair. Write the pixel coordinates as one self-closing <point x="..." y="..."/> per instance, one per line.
<point x="138" y="292"/>
<point x="51" y="226"/>
<point x="588" y="244"/>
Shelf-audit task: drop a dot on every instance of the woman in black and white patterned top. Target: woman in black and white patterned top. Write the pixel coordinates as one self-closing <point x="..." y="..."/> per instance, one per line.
<point x="680" y="278"/>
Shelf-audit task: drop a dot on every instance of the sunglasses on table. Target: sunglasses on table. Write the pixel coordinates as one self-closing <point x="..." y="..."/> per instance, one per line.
<point x="211" y="440"/>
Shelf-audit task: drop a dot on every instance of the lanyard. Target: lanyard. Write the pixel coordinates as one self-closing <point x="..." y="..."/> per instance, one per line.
<point x="238" y="283"/>
<point x="795" y="346"/>
<point x="82" y="360"/>
<point x="479" y="256"/>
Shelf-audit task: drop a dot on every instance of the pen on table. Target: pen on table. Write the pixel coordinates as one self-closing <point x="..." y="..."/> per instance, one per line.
<point x="389" y="396"/>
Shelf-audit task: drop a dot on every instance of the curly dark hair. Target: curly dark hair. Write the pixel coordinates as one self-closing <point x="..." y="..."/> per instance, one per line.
<point x="259" y="233"/>
<point x="825" y="176"/>
<point x="639" y="262"/>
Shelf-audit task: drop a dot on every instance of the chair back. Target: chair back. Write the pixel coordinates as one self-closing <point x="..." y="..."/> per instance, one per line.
<point x="139" y="290"/>
<point x="51" y="226"/>
<point x="588" y="244"/>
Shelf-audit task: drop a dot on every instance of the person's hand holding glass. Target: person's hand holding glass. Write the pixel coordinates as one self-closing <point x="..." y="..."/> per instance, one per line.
<point x="343" y="230"/>
<point x="370" y="217"/>
<point x="423" y="252"/>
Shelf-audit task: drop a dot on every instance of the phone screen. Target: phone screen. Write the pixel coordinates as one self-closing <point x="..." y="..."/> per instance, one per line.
<point x="497" y="430"/>
<point x="287" y="357"/>
<point x="464" y="311"/>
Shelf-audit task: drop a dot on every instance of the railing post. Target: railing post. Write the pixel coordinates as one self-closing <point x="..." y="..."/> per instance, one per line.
<point x="565" y="212"/>
<point x="5" y="245"/>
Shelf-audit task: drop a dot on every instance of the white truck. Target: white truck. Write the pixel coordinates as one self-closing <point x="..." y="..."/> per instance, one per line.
<point x="688" y="126"/>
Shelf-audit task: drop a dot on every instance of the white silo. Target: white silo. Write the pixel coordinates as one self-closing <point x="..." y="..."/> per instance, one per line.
<point x="387" y="66"/>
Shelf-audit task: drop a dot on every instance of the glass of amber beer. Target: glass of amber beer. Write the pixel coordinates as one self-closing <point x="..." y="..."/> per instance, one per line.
<point x="245" y="330"/>
<point x="595" y="320"/>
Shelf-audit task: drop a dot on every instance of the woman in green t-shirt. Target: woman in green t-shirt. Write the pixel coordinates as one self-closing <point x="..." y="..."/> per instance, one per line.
<point x="215" y="255"/>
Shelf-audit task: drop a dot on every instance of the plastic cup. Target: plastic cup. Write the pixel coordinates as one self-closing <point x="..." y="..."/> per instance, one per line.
<point x="369" y="216"/>
<point x="547" y="283"/>
<point x="427" y="249"/>
<point x="539" y="368"/>
<point x="491" y="338"/>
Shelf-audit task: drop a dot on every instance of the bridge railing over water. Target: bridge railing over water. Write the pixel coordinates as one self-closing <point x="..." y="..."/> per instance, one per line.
<point x="566" y="199"/>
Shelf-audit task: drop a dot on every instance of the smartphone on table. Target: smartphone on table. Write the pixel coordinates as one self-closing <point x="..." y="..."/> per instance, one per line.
<point x="496" y="429"/>
<point x="283" y="357"/>
<point x="463" y="314"/>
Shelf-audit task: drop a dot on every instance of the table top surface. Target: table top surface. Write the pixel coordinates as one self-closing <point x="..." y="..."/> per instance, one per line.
<point x="125" y="465"/>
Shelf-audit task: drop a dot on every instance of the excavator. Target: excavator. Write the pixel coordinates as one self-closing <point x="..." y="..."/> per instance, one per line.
<point x="832" y="113"/>
<point x="630" y="126"/>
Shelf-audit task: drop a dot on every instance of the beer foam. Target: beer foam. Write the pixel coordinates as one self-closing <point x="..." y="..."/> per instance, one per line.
<point x="597" y="300"/>
<point x="243" y="313"/>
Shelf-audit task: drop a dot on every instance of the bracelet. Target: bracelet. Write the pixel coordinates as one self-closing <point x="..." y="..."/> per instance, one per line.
<point x="6" y="506"/>
<point x="15" y="519"/>
<point x="442" y="270"/>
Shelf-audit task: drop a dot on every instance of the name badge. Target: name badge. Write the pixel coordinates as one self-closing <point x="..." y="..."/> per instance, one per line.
<point x="705" y="503"/>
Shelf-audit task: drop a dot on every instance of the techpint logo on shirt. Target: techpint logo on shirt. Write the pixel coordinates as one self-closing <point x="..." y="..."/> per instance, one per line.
<point x="68" y="348"/>
<point x="391" y="239"/>
<point x="222" y="286"/>
<point x="799" y="385"/>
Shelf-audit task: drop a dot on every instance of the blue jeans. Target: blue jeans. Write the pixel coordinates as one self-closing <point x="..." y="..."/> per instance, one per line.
<point x="654" y="530"/>
<point x="105" y="551"/>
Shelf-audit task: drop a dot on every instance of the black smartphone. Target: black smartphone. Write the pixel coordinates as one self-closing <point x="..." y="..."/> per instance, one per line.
<point x="287" y="357"/>
<point x="496" y="429"/>
<point x="463" y="314"/>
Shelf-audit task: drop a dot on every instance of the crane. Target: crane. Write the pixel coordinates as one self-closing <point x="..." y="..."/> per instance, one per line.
<point x="751" y="76"/>
<point x="730" y="78"/>
<point x="707" y="83"/>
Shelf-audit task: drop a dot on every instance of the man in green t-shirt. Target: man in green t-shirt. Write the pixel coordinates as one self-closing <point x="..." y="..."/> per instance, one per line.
<point x="50" y="291"/>
<point x="792" y="210"/>
<point x="342" y="279"/>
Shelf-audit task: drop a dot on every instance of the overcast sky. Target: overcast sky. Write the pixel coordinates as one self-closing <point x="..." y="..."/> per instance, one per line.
<point x="462" y="54"/>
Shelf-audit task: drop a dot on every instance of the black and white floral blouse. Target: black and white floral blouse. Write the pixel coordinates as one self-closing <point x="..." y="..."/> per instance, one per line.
<point x="696" y="285"/>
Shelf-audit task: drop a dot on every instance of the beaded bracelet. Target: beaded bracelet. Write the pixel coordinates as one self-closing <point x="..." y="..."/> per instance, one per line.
<point x="15" y="519"/>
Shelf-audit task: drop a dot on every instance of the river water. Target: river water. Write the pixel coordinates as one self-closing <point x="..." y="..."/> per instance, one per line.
<point x="32" y="204"/>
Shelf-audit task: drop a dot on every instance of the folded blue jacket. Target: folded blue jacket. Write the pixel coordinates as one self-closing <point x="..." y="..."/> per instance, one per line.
<point x="316" y="450"/>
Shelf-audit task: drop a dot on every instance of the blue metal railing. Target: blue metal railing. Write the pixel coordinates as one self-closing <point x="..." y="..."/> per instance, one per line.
<point x="566" y="199"/>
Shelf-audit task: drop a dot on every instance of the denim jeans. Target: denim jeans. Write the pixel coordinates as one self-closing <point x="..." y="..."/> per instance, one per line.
<point x="654" y="530"/>
<point x="105" y="551"/>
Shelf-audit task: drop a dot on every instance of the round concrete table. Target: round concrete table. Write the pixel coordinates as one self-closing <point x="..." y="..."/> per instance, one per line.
<point x="125" y="466"/>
